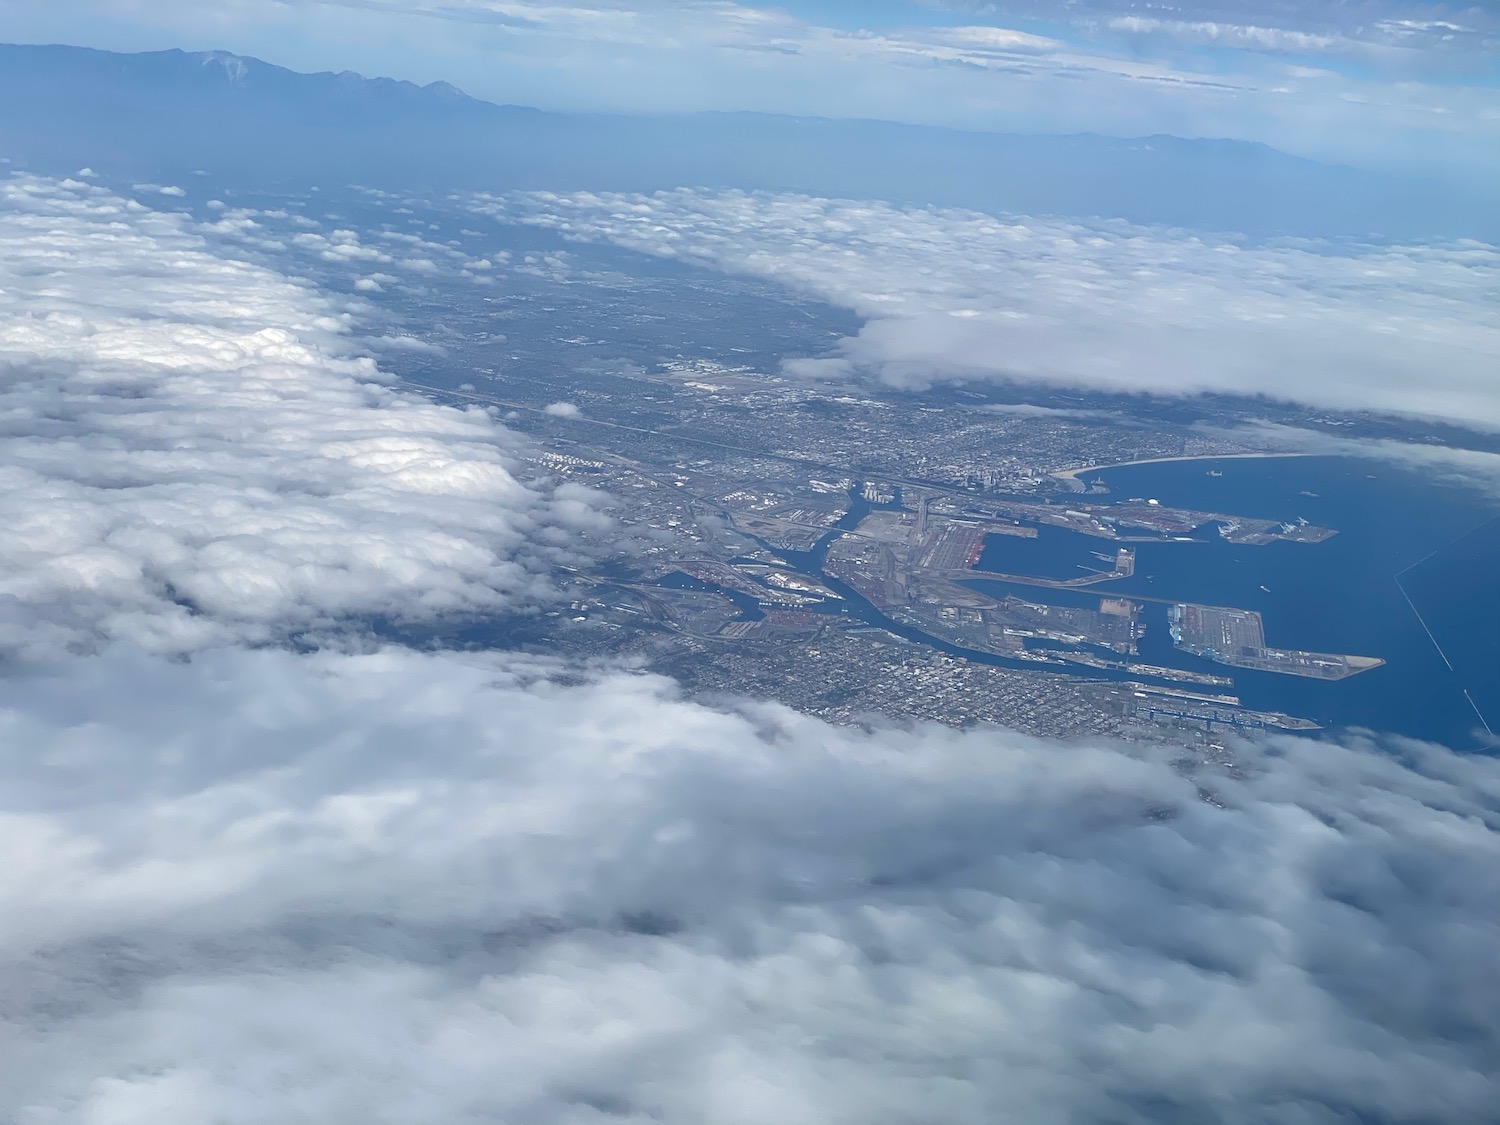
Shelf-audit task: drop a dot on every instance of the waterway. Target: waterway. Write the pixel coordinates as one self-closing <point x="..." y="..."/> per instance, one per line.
<point x="855" y="604"/>
<point x="1338" y="596"/>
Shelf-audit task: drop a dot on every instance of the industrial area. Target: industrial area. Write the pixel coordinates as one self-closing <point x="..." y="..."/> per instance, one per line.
<point x="828" y="542"/>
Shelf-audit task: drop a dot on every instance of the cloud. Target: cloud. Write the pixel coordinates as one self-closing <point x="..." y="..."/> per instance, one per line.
<point x="190" y="454"/>
<point x="339" y="246"/>
<point x="963" y="295"/>
<point x="563" y="410"/>
<point x="261" y="887"/>
<point x="1227" y="34"/>
<point x="1304" y="26"/>
<point x="254" y="885"/>
<point x="154" y="189"/>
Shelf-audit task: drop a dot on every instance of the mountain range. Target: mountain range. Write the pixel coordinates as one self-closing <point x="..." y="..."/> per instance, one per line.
<point x="167" y="114"/>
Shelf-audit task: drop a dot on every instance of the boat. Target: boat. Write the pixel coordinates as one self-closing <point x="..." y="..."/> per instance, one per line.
<point x="1215" y="473"/>
<point x="1265" y="589"/>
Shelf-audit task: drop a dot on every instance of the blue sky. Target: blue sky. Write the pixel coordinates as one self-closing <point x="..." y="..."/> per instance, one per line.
<point x="1390" y="83"/>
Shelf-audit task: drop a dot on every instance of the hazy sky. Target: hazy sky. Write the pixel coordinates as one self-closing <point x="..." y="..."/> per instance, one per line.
<point x="1386" y="82"/>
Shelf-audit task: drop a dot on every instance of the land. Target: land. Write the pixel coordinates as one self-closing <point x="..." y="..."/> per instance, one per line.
<point x="813" y="541"/>
<point x="1149" y="521"/>
<point x="1237" y="637"/>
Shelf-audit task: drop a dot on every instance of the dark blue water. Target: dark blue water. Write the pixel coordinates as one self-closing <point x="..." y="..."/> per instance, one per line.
<point x="1337" y="596"/>
<point x="1456" y="592"/>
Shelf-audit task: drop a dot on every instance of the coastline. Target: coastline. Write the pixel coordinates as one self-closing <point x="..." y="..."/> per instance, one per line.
<point x="1073" y="474"/>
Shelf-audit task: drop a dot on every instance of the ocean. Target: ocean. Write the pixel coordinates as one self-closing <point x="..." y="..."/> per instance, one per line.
<point x="1339" y="596"/>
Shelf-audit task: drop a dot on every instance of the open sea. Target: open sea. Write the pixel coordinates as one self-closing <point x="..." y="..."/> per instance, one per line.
<point x="1339" y="596"/>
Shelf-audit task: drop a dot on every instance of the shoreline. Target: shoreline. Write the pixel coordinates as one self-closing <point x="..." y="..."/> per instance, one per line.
<point x="1073" y="474"/>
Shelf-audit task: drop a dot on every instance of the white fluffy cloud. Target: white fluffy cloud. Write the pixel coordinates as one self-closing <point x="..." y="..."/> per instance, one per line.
<point x="962" y="295"/>
<point x="266" y="888"/>
<point x="189" y="454"/>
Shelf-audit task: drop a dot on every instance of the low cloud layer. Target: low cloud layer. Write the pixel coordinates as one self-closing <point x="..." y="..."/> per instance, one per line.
<point x="400" y="888"/>
<point x="257" y="886"/>
<point x="189" y="453"/>
<point x="963" y="295"/>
